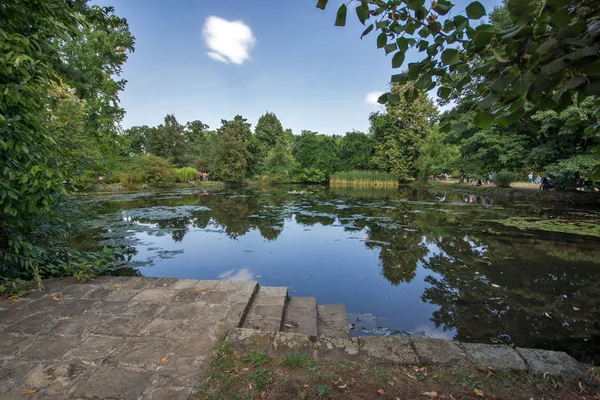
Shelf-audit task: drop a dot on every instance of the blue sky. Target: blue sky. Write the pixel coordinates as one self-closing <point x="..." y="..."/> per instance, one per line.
<point x="285" y="56"/>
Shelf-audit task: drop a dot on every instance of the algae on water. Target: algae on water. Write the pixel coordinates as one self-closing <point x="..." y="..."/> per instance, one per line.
<point x="560" y="225"/>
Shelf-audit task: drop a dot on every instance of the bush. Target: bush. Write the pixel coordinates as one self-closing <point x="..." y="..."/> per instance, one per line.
<point x="186" y="174"/>
<point x="504" y="178"/>
<point x="565" y="172"/>
<point x="363" y="178"/>
<point x="309" y="175"/>
<point x="156" y="171"/>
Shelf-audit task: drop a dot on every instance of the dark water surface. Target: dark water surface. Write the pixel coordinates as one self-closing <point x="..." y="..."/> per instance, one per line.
<point x="414" y="262"/>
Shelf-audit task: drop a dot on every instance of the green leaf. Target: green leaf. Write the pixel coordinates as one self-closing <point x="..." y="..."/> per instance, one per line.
<point x="362" y="12"/>
<point x="475" y="10"/>
<point x="450" y="57"/>
<point x="484" y="120"/>
<point x="381" y="40"/>
<point x="444" y="92"/>
<point x="393" y="98"/>
<point x="390" y="48"/>
<point x="442" y="7"/>
<point x="460" y="127"/>
<point x="399" y="78"/>
<point x="383" y="98"/>
<point x="447" y="127"/>
<point x="340" y="19"/>
<point x="398" y="59"/>
<point x="322" y="4"/>
<point x="460" y="22"/>
<point x="487" y="101"/>
<point x="415" y="4"/>
<point x="402" y="44"/>
<point x="367" y="31"/>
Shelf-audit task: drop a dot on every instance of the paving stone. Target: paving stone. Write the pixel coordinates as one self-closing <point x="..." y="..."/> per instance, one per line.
<point x="496" y="357"/>
<point x="14" y="373"/>
<point x="301" y="315"/>
<point x="146" y="353"/>
<point x="100" y="293"/>
<point x="244" y="341"/>
<point x="288" y="342"/>
<point x="438" y="352"/>
<point x="181" y="311"/>
<point x="76" y="291"/>
<point x="56" y="380"/>
<point x="155" y="295"/>
<point x="94" y="348"/>
<point x="11" y="343"/>
<point x="121" y="326"/>
<point x="123" y="294"/>
<point x="182" y="371"/>
<point x="267" y="317"/>
<point x="142" y="309"/>
<point x="49" y="347"/>
<point x="184" y="284"/>
<point x="215" y="296"/>
<point x="555" y="363"/>
<point x="34" y="323"/>
<point x="332" y="321"/>
<point x="109" y="307"/>
<point x="387" y="349"/>
<point x="76" y="326"/>
<point x="57" y="284"/>
<point x="115" y="383"/>
<point x="166" y="283"/>
<point x="196" y="344"/>
<point x="273" y="291"/>
<point x="187" y="295"/>
<point x="169" y="393"/>
<point x="159" y="327"/>
<point x="336" y="349"/>
<point x="246" y="287"/>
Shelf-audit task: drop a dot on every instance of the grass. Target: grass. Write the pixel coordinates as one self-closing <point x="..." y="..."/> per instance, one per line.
<point x="363" y="178"/>
<point x="299" y="376"/>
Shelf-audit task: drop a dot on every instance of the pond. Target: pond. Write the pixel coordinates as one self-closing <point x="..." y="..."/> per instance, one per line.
<point x="405" y="261"/>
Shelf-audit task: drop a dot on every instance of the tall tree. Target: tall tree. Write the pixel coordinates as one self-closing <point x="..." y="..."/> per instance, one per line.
<point x="169" y="141"/>
<point x="138" y="137"/>
<point x="318" y="151"/>
<point x="356" y="150"/>
<point x="232" y="157"/>
<point x="399" y="133"/>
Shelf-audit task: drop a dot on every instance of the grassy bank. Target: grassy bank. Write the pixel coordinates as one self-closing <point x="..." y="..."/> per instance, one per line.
<point x="363" y="179"/>
<point x="297" y="376"/>
<point x="119" y="188"/>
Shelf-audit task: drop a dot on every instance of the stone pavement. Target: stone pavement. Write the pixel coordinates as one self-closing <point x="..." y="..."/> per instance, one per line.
<point x="115" y="337"/>
<point x="151" y="338"/>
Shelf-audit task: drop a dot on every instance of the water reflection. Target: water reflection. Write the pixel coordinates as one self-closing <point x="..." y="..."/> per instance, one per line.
<point x="449" y="269"/>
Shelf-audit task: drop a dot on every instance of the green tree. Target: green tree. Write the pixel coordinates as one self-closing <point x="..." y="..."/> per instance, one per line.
<point x="543" y="54"/>
<point x="356" y="150"/>
<point x="399" y="133"/>
<point x="137" y="137"/>
<point x="268" y="130"/>
<point x="316" y="151"/>
<point x="437" y="155"/>
<point x="169" y="141"/>
<point x="232" y="157"/>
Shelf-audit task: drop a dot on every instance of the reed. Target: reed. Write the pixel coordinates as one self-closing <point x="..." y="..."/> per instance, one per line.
<point x="363" y="179"/>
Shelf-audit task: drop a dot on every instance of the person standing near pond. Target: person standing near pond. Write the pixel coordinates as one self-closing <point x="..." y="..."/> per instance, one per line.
<point x="530" y="178"/>
<point x="538" y="180"/>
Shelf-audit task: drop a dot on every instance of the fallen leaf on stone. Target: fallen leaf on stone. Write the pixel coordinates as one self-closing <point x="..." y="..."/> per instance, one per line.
<point x="288" y="325"/>
<point x="381" y="391"/>
<point x="118" y="286"/>
<point x="162" y="360"/>
<point x="478" y="392"/>
<point x="250" y="386"/>
<point x="496" y="286"/>
<point x="67" y="317"/>
<point x="412" y="377"/>
<point x="343" y="386"/>
<point x="32" y="391"/>
<point x="431" y="395"/>
<point x="202" y="289"/>
<point x="547" y="315"/>
<point x="390" y="383"/>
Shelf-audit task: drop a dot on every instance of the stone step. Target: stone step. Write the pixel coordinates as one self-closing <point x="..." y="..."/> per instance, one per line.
<point x="301" y="316"/>
<point x="332" y="321"/>
<point x="267" y="308"/>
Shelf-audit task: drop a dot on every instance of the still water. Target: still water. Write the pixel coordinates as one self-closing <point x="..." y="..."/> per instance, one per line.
<point x="402" y="261"/>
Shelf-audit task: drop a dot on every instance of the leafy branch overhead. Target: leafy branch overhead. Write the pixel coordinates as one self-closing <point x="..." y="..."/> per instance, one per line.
<point x="547" y="55"/>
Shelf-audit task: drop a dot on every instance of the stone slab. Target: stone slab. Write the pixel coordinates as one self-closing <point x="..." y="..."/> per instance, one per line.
<point x="555" y="363"/>
<point x="289" y="342"/>
<point x="336" y="349"/>
<point x="115" y="383"/>
<point x="387" y="349"/>
<point x="301" y="316"/>
<point x="332" y="321"/>
<point x="495" y="357"/>
<point x="244" y="341"/>
<point x="438" y="352"/>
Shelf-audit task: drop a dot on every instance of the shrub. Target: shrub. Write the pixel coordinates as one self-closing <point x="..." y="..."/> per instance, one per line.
<point x="504" y="178"/>
<point x="565" y="172"/>
<point x="309" y="175"/>
<point x="130" y="178"/>
<point x="364" y="178"/>
<point x="186" y="174"/>
<point x="156" y="171"/>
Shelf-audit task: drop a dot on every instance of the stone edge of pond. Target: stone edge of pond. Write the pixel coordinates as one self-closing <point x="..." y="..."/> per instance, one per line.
<point x="414" y="351"/>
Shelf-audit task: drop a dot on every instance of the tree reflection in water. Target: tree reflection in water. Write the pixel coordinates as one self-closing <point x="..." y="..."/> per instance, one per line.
<point x="489" y="282"/>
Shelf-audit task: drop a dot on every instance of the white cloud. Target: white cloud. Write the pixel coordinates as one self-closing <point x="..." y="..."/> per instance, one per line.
<point x="372" y="97"/>
<point x="229" y="41"/>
